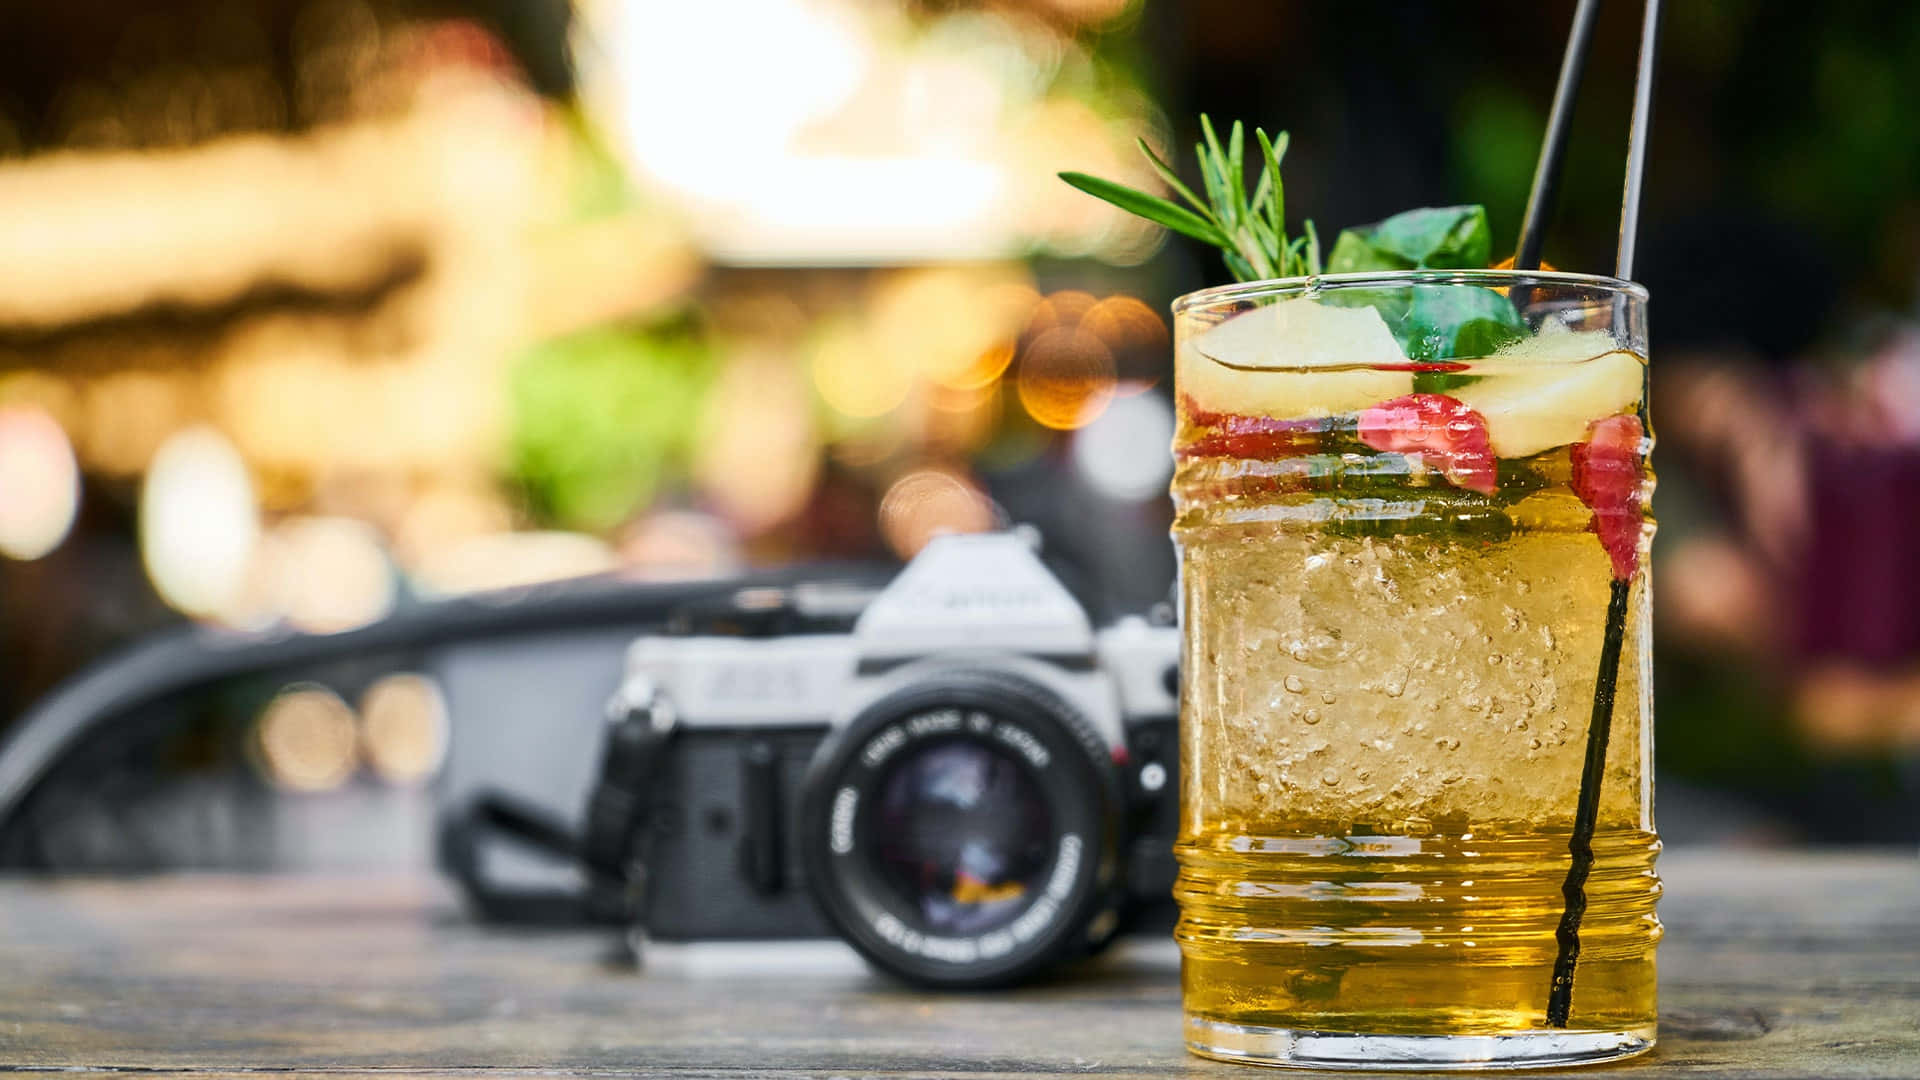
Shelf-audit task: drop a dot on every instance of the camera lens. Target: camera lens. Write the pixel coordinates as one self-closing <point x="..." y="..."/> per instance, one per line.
<point x="962" y="834"/>
<point x="963" y="830"/>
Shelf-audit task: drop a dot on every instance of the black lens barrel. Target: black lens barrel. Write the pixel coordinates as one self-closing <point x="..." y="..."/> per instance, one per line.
<point x="962" y="831"/>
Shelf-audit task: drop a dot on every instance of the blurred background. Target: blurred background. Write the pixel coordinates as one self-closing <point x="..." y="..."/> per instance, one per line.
<point x="317" y="311"/>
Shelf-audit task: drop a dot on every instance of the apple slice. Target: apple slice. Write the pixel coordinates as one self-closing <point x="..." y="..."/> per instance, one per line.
<point x="1262" y="362"/>
<point x="1554" y="404"/>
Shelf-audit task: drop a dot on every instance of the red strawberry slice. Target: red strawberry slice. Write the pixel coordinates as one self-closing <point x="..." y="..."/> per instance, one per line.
<point x="1235" y="435"/>
<point x="1438" y="431"/>
<point x="1606" y="476"/>
<point x="1201" y="417"/>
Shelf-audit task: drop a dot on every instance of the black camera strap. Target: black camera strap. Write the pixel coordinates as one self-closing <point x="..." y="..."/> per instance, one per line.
<point x="612" y="846"/>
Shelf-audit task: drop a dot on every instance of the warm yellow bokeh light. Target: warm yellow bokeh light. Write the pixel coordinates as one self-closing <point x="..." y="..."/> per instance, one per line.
<point x="927" y="502"/>
<point x="959" y="422"/>
<point x="325" y="575"/>
<point x="306" y="739"/>
<point x="1060" y="310"/>
<point x="857" y="378"/>
<point x="1065" y="378"/>
<point x="512" y="560"/>
<point x="950" y="323"/>
<point x="56" y="396"/>
<point x="671" y="545"/>
<point x="983" y="370"/>
<point x="1126" y="322"/>
<point x="403" y="727"/>
<point x="444" y="516"/>
<point x="127" y="414"/>
<point x="758" y="453"/>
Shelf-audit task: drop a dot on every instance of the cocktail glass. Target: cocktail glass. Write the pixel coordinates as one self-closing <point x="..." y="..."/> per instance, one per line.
<point x="1403" y="538"/>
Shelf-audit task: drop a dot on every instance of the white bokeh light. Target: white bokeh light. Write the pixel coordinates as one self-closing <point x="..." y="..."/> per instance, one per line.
<point x="1126" y="452"/>
<point x="198" y="523"/>
<point x="837" y="141"/>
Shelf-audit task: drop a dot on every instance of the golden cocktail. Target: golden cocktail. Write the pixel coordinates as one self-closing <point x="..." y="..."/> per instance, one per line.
<point x="1396" y="582"/>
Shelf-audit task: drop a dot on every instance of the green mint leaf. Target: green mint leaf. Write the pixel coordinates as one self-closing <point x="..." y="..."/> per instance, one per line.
<point x="1354" y="253"/>
<point x="1447" y="237"/>
<point x="1392" y="304"/>
<point x="1447" y="322"/>
<point x="1435" y="323"/>
<point x="1152" y="207"/>
<point x="1443" y="238"/>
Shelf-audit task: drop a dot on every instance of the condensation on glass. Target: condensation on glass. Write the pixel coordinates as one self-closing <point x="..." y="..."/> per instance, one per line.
<point x="1397" y="554"/>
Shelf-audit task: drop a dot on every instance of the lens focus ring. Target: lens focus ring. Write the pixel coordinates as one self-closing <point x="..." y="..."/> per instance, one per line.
<point x="961" y="832"/>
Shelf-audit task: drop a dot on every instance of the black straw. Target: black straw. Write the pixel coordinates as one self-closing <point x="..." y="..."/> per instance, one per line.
<point x="1553" y="147"/>
<point x="1600" y="725"/>
<point x="1587" y="814"/>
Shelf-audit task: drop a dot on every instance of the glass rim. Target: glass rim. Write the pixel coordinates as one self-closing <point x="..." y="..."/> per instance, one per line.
<point x="1215" y="295"/>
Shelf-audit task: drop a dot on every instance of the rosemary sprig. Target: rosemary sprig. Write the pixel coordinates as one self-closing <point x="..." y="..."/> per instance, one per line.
<point x="1249" y="229"/>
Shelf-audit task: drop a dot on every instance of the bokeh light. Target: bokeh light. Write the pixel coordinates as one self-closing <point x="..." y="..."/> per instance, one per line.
<point x="39" y="483"/>
<point x="1126" y="322"/>
<point x="894" y="138"/>
<point x="1124" y="454"/>
<point x="126" y="415"/>
<point x="306" y="739"/>
<point x="1066" y="377"/>
<point x="857" y="376"/>
<point x="949" y="323"/>
<point x="444" y="516"/>
<point x="198" y="522"/>
<point x="927" y="502"/>
<point x="983" y="370"/>
<point x="328" y="574"/>
<point x="511" y="560"/>
<point x="1063" y="309"/>
<point x="45" y="392"/>
<point x="403" y="727"/>
<point x="960" y="422"/>
<point x="758" y="452"/>
<point x="677" y="544"/>
<point x="1090" y="11"/>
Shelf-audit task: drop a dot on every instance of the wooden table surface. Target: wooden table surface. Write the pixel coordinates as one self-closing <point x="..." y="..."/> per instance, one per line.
<point x="1774" y="965"/>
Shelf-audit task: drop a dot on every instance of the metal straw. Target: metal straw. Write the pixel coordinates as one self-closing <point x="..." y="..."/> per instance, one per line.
<point x="1599" y="727"/>
<point x="1553" y="148"/>
<point x="1637" y="142"/>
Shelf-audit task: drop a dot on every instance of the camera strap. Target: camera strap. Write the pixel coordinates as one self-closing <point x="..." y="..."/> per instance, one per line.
<point x="612" y="845"/>
<point x="617" y="838"/>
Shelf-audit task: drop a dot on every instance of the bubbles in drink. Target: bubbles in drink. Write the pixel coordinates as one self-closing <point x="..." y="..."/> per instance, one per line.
<point x="1390" y="668"/>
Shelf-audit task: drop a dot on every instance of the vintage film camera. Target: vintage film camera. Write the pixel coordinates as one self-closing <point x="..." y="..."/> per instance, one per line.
<point x="957" y="774"/>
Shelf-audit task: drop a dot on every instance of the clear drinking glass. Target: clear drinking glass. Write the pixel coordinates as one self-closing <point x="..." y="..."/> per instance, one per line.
<point x="1403" y="538"/>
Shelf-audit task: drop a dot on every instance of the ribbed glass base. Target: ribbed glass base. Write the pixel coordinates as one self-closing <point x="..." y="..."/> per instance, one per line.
<point x="1351" y="1050"/>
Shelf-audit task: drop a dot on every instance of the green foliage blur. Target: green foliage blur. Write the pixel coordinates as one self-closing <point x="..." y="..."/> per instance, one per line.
<point x="1798" y="112"/>
<point x="599" y="417"/>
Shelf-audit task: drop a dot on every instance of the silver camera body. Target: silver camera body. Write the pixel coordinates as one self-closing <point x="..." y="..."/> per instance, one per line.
<point x="971" y="785"/>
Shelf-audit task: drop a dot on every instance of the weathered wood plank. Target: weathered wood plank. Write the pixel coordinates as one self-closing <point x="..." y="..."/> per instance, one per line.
<point x="1774" y="965"/>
